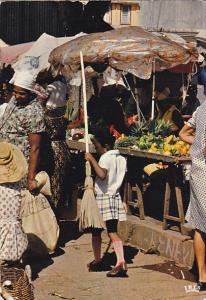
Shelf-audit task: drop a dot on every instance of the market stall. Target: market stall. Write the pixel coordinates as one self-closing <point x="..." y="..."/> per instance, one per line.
<point x="140" y="53"/>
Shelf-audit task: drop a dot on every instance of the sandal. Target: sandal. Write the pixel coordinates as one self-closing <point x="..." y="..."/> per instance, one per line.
<point x="201" y="286"/>
<point x="119" y="271"/>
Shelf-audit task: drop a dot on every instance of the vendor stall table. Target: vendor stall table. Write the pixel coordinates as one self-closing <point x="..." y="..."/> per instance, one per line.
<point x="173" y="184"/>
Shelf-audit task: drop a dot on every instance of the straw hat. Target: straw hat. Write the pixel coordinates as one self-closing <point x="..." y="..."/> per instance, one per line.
<point x="13" y="165"/>
<point x="151" y="168"/>
<point x="43" y="183"/>
<point x="163" y="95"/>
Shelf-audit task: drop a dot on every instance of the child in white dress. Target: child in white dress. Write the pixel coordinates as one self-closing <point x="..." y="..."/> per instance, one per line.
<point x="110" y="171"/>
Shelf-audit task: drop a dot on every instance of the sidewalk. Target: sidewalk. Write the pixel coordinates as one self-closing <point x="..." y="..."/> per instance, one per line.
<point x="151" y="277"/>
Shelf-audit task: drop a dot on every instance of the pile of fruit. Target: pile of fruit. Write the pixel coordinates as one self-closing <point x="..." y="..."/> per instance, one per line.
<point x="152" y="138"/>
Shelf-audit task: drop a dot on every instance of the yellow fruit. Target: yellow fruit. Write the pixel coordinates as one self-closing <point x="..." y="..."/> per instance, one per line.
<point x="167" y="147"/>
<point x="169" y="139"/>
<point x="183" y="151"/>
<point x="153" y="150"/>
<point x="168" y="153"/>
<point x="181" y="143"/>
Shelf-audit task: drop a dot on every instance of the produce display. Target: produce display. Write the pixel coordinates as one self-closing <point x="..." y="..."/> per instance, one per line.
<point x="154" y="137"/>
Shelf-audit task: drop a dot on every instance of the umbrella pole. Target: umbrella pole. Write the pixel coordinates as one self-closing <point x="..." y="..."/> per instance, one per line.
<point x="85" y="103"/>
<point x="153" y="90"/>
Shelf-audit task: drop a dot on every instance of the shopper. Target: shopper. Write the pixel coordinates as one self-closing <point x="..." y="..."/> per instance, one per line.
<point x="23" y="123"/>
<point x="13" y="167"/>
<point x="110" y="172"/>
<point x="56" y="125"/>
<point x="194" y="133"/>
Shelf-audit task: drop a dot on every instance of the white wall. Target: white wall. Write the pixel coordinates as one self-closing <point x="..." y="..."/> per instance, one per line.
<point x="173" y="15"/>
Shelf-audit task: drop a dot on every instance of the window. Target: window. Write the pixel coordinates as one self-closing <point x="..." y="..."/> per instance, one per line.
<point x="126" y="14"/>
<point x="108" y="15"/>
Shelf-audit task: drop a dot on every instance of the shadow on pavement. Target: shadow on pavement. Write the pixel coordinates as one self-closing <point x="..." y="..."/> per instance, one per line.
<point x="68" y="231"/>
<point x="170" y="268"/>
<point x="38" y="264"/>
<point x="129" y="254"/>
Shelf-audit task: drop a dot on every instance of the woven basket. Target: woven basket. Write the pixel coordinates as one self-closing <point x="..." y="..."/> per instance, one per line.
<point x="21" y="289"/>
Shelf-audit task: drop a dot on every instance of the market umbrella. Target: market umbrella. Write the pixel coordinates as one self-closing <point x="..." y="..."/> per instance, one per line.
<point x="89" y="215"/>
<point x="130" y="49"/>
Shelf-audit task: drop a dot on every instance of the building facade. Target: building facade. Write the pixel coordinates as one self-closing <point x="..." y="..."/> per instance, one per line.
<point x="123" y="13"/>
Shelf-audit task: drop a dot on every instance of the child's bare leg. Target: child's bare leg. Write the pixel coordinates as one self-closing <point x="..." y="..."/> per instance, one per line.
<point x="116" y="241"/>
<point x="96" y="244"/>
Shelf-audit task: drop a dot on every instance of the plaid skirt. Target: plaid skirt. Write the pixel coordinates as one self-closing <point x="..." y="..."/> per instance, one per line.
<point x="111" y="207"/>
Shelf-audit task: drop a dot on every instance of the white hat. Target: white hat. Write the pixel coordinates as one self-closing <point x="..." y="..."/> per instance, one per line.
<point x="57" y="91"/>
<point x="24" y="79"/>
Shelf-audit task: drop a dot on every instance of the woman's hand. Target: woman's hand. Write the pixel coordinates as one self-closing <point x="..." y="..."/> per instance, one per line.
<point x="32" y="185"/>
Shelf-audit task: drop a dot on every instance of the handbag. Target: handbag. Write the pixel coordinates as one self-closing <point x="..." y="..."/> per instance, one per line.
<point x="39" y="223"/>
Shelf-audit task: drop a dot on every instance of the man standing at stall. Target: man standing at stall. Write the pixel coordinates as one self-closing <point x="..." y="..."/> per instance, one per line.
<point x="23" y="123"/>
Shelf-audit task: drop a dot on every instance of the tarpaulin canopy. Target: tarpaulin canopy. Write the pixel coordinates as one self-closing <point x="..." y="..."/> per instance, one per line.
<point x="36" y="58"/>
<point x="10" y="54"/>
<point x="41" y="48"/>
<point x="130" y="49"/>
<point x="2" y="43"/>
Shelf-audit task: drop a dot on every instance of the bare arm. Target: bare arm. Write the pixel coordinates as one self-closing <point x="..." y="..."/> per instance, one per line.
<point x="34" y="141"/>
<point x="187" y="134"/>
<point x="100" y="172"/>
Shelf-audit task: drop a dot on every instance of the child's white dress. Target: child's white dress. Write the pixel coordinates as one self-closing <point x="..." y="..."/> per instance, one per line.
<point x="107" y="191"/>
<point x="13" y="242"/>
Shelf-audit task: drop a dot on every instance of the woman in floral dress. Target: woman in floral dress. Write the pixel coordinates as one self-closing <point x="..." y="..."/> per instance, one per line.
<point x="56" y="125"/>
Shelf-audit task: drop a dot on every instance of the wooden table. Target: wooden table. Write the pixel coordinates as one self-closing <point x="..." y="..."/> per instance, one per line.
<point x="173" y="183"/>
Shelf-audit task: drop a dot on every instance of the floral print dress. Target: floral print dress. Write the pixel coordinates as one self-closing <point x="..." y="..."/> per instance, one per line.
<point x="59" y="163"/>
<point x="19" y="121"/>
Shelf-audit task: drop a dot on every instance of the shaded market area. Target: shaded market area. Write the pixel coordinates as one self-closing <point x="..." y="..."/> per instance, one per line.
<point x="135" y="88"/>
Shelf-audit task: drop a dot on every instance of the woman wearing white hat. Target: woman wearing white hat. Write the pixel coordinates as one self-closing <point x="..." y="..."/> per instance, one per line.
<point x="23" y="122"/>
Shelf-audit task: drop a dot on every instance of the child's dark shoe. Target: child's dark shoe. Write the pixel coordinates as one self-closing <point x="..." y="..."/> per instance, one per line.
<point x="201" y="286"/>
<point x="119" y="271"/>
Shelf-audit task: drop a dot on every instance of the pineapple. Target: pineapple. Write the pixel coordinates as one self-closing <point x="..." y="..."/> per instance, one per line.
<point x="139" y="129"/>
<point x="126" y="141"/>
<point x="159" y="127"/>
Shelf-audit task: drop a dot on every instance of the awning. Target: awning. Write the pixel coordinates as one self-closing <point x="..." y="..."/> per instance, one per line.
<point x="129" y="49"/>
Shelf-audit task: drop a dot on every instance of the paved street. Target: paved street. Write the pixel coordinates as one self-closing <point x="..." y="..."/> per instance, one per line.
<point x="66" y="276"/>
